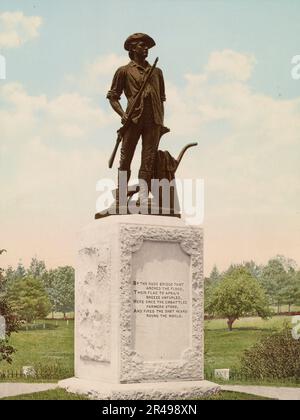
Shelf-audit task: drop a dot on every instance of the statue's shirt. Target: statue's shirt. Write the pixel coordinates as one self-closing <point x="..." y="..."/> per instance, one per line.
<point x="129" y="79"/>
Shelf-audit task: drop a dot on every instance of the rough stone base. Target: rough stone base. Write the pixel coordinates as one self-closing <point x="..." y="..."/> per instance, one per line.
<point x="140" y="391"/>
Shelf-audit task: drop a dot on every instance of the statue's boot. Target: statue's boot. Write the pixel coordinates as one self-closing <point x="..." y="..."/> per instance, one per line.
<point x="122" y="190"/>
<point x="144" y="189"/>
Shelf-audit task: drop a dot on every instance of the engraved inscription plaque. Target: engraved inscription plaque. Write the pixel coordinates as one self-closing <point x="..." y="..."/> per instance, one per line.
<point x="161" y="301"/>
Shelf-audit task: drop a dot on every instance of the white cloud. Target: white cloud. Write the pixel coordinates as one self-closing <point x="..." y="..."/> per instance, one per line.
<point x="51" y="156"/>
<point x="231" y="64"/>
<point x="68" y="116"/>
<point x="248" y="154"/>
<point x="53" y="152"/>
<point x="96" y="76"/>
<point x="207" y="100"/>
<point x="16" y="29"/>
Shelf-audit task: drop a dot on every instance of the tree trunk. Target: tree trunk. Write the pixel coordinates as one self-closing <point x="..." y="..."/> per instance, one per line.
<point x="230" y="323"/>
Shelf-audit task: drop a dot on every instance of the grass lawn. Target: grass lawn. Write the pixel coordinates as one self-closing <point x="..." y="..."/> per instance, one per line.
<point x="50" y="346"/>
<point x="223" y="349"/>
<point x="233" y="396"/>
<point x="59" y="394"/>
<point x="55" y="394"/>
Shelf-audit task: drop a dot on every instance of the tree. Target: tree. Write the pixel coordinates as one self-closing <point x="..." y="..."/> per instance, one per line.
<point x="2" y="278"/>
<point x="238" y="295"/>
<point x="214" y="275"/>
<point x="288" y="263"/>
<point x="254" y="269"/>
<point x="290" y="291"/>
<point x="279" y="279"/>
<point x="297" y="291"/>
<point x="11" y="324"/>
<point x="28" y="299"/>
<point x="9" y="275"/>
<point x="61" y="289"/>
<point x="38" y="270"/>
<point x="20" y="272"/>
<point x="210" y="283"/>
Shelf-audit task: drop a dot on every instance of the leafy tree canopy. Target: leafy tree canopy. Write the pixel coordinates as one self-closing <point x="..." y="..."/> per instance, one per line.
<point x="238" y="295"/>
<point x="28" y="299"/>
<point x="11" y="323"/>
<point x="61" y="289"/>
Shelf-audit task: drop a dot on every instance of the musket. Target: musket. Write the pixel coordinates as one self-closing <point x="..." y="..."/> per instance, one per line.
<point x="123" y="129"/>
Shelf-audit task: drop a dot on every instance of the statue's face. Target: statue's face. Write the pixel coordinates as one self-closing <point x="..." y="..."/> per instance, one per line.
<point x="141" y="49"/>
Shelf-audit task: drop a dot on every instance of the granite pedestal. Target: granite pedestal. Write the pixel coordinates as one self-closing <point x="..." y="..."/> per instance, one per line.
<point x="139" y="310"/>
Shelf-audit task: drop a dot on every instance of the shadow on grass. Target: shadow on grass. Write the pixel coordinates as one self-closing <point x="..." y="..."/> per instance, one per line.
<point x="239" y="329"/>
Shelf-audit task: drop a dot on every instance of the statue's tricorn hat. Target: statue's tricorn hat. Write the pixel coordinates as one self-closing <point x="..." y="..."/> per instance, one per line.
<point x="138" y="37"/>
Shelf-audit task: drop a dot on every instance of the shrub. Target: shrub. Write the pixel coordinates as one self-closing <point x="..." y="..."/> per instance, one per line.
<point x="53" y="371"/>
<point x="274" y="357"/>
<point x="12" y="325"/>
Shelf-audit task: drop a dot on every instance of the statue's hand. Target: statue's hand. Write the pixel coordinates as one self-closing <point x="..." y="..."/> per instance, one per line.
<point x="124" y="118"/>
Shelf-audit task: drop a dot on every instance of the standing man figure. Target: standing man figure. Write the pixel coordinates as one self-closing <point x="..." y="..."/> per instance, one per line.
<point x="148" y="117"/>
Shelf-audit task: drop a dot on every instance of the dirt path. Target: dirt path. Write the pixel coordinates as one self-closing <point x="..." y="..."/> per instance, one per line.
<point x="14" y="389"/>
<point x="283" y="394"/>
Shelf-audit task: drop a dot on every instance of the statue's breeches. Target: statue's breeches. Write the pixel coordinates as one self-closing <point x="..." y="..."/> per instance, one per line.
<point x="150" y="133"/>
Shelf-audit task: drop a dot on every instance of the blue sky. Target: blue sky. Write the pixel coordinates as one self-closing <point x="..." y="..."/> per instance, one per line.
<point x="186" y="31"/>
<point x="227" y="66"/>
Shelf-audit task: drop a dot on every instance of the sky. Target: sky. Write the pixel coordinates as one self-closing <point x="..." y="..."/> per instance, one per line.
<point x="227" y="67"/>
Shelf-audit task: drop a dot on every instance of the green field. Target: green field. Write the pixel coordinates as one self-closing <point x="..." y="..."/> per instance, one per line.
<point x="48" y="347"/>
<point x="223" y="349"/>
<point x="233" y="396"/>
<point x="54" y="345"/>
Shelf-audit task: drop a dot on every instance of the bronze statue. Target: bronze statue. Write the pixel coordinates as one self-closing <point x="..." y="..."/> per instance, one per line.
<point x="144" y="88"/>
<point x="143" y="117"/>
